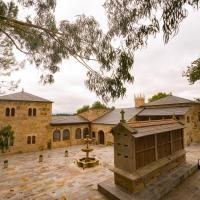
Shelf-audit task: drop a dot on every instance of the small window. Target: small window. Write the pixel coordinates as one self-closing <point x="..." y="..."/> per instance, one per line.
<point x="33" y="139"/>
<point x="78" y="133"/>
<point x="29" y="140"/>
<point x="188" y="119"/>
<point x="34" y="111"/>
<point x="125" y="156"/>
<point x="93" y="134"/>
<point x="66" y="134"/>
<point x="12" y="112"/>
<point x="56" y="135"/>
<point x="7" y="112"/>
<point x="30" y="112"/>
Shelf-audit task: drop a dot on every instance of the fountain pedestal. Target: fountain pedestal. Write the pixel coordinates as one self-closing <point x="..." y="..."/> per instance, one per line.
<point x="87" y="162"/>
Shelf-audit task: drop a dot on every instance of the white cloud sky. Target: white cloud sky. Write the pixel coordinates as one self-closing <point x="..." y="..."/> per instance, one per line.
<point x="157" y="68"/>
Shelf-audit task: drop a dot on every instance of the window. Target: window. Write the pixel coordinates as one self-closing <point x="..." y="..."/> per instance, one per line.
<point x="93" y="134"/>
<point x="30" y="112"/>
<point x="188" y="119"/>
<point x="85" y="132"/>
<point x="7" y="112"/>
<point x="78" y="133"/>
<point x="34" y="111"/>
<point x="12" y="112"/>
<point x="56" y="135"/>
<point x="66" y="134"/>
<point x="29" y="140"/>
<point x="33" y="139"/>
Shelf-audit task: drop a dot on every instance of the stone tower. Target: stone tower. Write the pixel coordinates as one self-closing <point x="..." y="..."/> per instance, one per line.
<point x="139" y="100"/>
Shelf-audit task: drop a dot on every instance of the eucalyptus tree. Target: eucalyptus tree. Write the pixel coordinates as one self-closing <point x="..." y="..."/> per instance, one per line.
<point x="45" y="43"/>
<point x="134" y="21"/>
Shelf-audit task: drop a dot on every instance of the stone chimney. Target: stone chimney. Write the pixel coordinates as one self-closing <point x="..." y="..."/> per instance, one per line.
<point x="139" y="100"/>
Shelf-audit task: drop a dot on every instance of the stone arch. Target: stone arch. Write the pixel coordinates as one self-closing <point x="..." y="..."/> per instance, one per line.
<point x="66" y="134"/>
<point x="78" y="133"/>
<point x="56" y="135"/>
<point x="101" y="137"/>
<point x="86" y="132"/>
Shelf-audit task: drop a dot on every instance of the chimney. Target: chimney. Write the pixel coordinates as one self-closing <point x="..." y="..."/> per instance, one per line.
<point x="139" y="100"/>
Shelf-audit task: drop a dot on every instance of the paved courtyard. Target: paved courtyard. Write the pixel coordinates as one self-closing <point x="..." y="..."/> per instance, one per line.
<point x="58" y="177"/>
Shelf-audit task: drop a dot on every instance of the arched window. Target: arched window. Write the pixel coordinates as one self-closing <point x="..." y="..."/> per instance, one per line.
<point x="56" y="135"/>
<point x="12" y="112"/>
<point x="7" y="112"/>
<point x="29" y="140"/>
<point x="78" y="133"/>
<point x="66" y="134"/>
<point x="30" y="112"/>
<point x="85" y="132"/>
<point x="33" y="140"/>
<point x="34" y="111"/>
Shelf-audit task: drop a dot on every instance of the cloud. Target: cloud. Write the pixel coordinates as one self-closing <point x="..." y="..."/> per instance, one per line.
<point x="157" y="67"/>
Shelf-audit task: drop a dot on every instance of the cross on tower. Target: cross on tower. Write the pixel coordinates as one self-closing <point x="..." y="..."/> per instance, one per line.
<point x="122" y="116"/>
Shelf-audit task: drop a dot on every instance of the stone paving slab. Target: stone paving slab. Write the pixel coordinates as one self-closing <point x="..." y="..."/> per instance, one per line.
<point x="152" y="192"/>
<point x="56" y="177"/>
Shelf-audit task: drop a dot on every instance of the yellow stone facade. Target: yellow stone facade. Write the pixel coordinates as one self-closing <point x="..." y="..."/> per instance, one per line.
<point x="25" y="125"/>
<point x="41" y="128"/>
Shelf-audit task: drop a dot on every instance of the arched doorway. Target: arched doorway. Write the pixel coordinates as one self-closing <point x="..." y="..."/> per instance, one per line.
<point x="101" y="137"/>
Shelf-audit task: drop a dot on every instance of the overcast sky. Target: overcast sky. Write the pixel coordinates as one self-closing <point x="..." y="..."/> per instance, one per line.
<point x="157" y="68"/>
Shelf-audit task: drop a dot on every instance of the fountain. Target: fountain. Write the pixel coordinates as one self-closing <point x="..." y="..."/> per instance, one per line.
<point x="87" y="162"/>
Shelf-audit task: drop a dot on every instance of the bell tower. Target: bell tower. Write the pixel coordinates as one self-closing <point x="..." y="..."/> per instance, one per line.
<point x="139" y="100"/>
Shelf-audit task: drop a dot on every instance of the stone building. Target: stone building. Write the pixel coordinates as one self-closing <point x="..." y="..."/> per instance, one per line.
<point x="36" y="129"/>
<point x="29" y="117"/>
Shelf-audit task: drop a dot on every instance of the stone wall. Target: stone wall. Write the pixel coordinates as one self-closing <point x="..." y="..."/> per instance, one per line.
<point x="72" y="129"/>
<point x="106" y="128"/>
<point x="24" y="125"/>
<point x="93" y="114"/>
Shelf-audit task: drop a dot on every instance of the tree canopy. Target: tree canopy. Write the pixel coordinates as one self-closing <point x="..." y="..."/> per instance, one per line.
<point x="157" y="96"/>
<point x="95" y="105"/>
<point x="45" y="42"/>
<point x="83" y="109"/>
<point x="6" y="138"/>
<point x="134" y="21"/>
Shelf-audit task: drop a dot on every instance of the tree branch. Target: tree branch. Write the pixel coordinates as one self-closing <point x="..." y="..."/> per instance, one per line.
<point x="13" y="41"/>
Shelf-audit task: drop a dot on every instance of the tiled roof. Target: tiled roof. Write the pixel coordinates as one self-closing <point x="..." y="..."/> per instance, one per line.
<point x="22" y="96"/>
<point x="74" y="119"/>
<point x="114" y="116"/>
<point x="169" y="100"/>
<point x="163" y="111"/>
<point x="144" y="128"/>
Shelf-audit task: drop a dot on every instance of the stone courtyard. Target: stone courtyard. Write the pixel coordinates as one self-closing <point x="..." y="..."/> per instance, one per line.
<point x="58" y="177"/>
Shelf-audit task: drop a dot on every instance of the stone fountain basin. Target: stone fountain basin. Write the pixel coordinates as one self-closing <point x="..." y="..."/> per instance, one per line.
<point x="91" y="162"/>
<point x="86" y="150"/>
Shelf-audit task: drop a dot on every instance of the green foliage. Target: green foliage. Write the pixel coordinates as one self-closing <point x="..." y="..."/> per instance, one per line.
<point x="6" y="137"/>
<point x="134" y="21"/>
<point x="99" y="105"/>
<point x="95" y="105"/>
<point x="193" y="72"/>
<point x="46" y="42"/>
<point x="159" y="95"/>
<point x="83" y="109"/>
